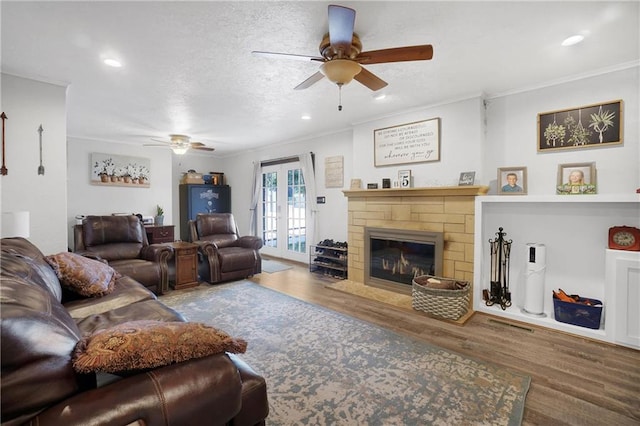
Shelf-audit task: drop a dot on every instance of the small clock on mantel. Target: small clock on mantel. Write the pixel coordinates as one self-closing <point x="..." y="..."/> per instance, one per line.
<point x="624" y="238"/>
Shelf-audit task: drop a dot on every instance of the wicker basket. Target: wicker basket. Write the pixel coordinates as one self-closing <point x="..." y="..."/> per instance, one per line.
<point x="441" y="303"/>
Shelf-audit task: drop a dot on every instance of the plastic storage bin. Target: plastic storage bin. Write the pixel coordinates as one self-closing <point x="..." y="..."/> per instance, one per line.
<point x="578" y="313"/>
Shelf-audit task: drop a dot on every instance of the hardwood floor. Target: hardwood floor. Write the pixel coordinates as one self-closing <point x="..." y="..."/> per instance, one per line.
<point x="574" y="381"/>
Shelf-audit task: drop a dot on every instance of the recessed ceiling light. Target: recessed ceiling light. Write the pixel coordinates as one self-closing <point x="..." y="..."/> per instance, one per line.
<point x="113" y="63"/>
<point x="574" y="39"/>
<point x="379" y="96"/>
<point x="306" y="117"/>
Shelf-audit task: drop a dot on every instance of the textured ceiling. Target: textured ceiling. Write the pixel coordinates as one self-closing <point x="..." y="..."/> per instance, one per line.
<point x="188" y="66"/>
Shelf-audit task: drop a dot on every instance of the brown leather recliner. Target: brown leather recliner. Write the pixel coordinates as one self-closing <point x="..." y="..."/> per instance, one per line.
<point x="224" y="255"/>
<point x="122" y="242"/>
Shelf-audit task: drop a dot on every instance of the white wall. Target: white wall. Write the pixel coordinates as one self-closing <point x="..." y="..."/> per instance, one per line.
<point x="512" y="133"/>
<point x="472" y="139"/>
<point x="166" y="172"/>
<point x="87" y="199"/>
<point x="461" y="140"/>
<point x="331" y="215"/>
<point x="27" y="105"/>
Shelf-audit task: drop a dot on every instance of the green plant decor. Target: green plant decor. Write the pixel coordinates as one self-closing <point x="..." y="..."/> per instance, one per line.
<point x="159" y="211"/>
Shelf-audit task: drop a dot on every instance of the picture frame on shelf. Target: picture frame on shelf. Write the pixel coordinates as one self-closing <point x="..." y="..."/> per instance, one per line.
<point x="467" y="178"/>
<point x="577" y="179"/>
<point x="404" y="178"/>
<point x="589" y="126"/>
<point x="512" y="180"/>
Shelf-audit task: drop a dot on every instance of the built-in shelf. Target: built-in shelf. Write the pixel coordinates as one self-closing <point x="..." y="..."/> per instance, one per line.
<point x="574" y="230"/>
<point x="595" y="198"/>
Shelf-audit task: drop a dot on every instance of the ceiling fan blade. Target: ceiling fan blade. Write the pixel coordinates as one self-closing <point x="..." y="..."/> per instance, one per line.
<point x="310" y="81"/>
<point x="398" y="54"/>
<point x="166" y="142"/>
<point x="287" y="56"/>
<point x="370" y="80"/>
<point x="341" y="22"/>
<point x="156" y="144"/>
<point x="195" y="144"/>
<point x="203" y="148"/>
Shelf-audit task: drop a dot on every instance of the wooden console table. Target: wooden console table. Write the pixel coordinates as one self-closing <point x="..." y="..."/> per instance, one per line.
<point x="185" y="256"/>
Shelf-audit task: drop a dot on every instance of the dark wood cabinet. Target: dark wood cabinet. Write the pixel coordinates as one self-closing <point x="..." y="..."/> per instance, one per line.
<point x="160" y="234"/>
<point x="196" y="199"/>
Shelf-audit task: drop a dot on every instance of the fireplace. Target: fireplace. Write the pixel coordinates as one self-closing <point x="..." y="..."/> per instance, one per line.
<point x="393" y="257"/>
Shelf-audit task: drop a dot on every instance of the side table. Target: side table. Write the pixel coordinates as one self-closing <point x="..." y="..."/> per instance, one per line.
<point x="186" y="262"/>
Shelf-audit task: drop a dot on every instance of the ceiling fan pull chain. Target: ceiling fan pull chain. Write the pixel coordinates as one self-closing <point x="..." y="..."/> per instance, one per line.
<point x="339" y="97"/>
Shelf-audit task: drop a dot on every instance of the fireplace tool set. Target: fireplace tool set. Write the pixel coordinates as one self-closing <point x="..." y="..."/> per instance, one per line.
<point x="499" y="292"/>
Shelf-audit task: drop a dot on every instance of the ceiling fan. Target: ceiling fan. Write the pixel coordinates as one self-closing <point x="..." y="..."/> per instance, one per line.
<point x="342" y="56"/>
<point x="180" y="144"/>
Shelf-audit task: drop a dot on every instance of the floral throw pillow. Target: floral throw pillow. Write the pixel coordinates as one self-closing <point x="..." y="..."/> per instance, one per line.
<point x="87" y="277"/>
<point x="145" y="344"/>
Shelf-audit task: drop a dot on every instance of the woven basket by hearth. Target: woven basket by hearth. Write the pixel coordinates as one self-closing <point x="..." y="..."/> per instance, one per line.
<point x="442" y="303"/>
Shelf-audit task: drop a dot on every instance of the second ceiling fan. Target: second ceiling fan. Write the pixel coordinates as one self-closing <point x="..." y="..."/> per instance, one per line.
<point x="180" y="144"/>
<point x="342" y="56"/>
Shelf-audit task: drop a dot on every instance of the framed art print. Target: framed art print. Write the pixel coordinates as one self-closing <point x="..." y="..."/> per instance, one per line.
<point x="590" y="126"/>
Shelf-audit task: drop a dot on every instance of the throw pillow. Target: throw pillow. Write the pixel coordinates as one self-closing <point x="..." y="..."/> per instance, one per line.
<point x="87" y="277"/>
<point x="148" y="344"/>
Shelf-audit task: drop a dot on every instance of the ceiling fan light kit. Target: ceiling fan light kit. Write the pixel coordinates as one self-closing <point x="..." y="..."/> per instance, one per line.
<point x="340" y="71"/>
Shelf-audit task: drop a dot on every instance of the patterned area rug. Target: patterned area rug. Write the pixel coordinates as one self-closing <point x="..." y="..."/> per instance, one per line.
<point x="325" y="368"/>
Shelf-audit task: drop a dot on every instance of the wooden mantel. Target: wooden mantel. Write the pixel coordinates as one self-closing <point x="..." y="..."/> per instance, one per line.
<point x="436" y="191"/>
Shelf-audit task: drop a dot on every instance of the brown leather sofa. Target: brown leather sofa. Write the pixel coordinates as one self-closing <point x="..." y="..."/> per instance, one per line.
<point x="122" y="242"/>
<point x="40" y="327"/>
<point x="224" y="254"/>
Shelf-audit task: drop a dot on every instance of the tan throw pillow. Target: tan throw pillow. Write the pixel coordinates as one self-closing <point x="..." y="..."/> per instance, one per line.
<point x="87" y="277"/>
<point x="146" y="344"/>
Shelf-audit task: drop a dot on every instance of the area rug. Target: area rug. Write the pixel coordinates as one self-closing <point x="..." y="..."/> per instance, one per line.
<point x="270" y="266"/>
<point x="325" y="368"/>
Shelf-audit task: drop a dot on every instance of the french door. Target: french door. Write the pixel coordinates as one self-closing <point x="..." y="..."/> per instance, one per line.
<point x="284" y="211"/>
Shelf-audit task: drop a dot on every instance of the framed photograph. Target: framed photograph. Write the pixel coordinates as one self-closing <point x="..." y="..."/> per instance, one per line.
<point x="512" y="180"/>
<point x="576" y="179"/>
<point x="467" y="178"/>
<point x="404" y="178"/>
<point x="417" y="142"/>
<point x="590" y="126"/>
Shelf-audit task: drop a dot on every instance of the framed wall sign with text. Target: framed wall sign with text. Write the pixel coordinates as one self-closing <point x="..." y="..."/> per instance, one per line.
<point x="416" y="142"/>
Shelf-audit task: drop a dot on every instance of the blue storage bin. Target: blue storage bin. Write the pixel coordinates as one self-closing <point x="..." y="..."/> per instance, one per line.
<point x="578" y="313"/>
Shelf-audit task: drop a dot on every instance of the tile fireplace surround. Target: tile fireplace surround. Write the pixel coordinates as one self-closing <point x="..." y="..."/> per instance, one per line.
<point x="450" y="210"/>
